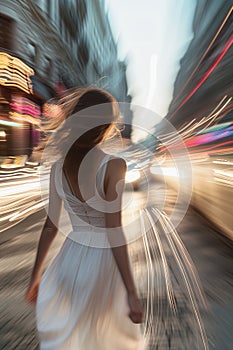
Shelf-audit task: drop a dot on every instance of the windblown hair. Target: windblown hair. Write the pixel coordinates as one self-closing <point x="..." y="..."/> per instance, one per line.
<point x="82" y="102"/>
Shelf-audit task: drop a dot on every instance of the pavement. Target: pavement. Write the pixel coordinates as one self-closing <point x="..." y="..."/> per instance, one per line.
<point x="210" y="252"/>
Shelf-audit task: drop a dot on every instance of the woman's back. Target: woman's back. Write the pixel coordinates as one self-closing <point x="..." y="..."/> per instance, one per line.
<point x="88" y="217"/>
<point x="84" y="173"/>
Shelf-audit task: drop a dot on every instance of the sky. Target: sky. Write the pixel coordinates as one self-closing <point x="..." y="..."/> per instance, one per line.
<point x="152" y="36"/>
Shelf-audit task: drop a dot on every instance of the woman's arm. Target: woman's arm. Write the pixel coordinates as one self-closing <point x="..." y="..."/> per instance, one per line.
<point x="48" y="234"/>
<point x="115" y="176"/>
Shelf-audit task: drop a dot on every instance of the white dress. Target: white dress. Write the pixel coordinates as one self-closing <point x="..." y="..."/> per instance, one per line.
<point x="82" y="301"/>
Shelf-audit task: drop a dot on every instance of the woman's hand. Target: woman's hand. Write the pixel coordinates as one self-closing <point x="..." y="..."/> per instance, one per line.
<point x="136" y="311"/>
<point x="32" y="292"/>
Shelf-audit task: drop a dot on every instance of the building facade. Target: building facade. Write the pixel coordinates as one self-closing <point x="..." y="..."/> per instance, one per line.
<point x="46" y="47"/>
<point x="205" y="75"/>
<point x="98" y="50"/>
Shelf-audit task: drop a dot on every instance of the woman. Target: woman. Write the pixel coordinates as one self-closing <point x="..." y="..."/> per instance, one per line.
<point x="87" y="299"/>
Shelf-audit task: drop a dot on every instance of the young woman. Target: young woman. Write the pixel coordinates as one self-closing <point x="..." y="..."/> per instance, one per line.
<point x="86" y="299"/>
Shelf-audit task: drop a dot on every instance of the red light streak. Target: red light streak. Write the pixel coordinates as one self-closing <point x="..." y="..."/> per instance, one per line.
<point x="205" y="53"/>
<point x="212" y="149"/>
<point x="207" y="74"/>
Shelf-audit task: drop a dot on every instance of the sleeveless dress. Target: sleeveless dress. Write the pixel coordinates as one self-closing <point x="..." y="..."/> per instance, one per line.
<point x="82" y="301"/>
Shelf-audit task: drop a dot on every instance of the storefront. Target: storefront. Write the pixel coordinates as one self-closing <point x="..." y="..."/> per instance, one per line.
<point x="20" y="109"/>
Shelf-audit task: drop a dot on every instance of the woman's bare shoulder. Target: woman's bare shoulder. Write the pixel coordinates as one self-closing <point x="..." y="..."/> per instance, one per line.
<point x="116" y="165"/>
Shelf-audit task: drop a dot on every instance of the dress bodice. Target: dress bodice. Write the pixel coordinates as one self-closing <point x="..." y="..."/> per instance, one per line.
<point x="88" y="214"/>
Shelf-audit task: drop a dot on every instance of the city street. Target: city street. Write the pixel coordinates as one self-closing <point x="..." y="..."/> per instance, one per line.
<point x="150" y="82"/>
<point x="211" y="253"/>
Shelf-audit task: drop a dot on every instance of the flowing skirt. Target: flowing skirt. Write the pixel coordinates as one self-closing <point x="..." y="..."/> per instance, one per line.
<point x="82" y="303"/>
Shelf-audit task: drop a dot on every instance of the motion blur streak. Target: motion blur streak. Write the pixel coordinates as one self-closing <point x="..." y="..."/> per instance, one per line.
<point x="176" y="281"/>
<point x="194" y="127"/>
<point x="215" y="148"/>
<point x="205" y="53"/>
<point x="20" y="196"/>
<point x="207" y="74"/>
<point x="209" y="137"/>
<point x="192" y="135"/>
<point x="224" y="176"/>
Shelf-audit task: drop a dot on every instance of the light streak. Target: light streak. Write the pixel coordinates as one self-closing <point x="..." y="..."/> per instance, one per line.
<point x="186" y="131"/>
<point x="24" y="118"/>
<point x="206" y="75"/>
<point x="24" y="213"/>
<point x="15" y="73"/>
<point x="224" y="176"/>
<point x="5" y="122"/>
<point x="224" y="172"/>
<point x="132" y="175"/>
<point x="21" y="195"/>
<point x="222" y="162"/>
<point x="166" y="171"/>
<point x="209" y="137"/>
<point x="177" y="283"/>
<point x="25" y="106"/>
<point x="214" y="128"/>
<point x="205" y="53"/>
<point x="23" y="109"/>
<point x="190" y="130"/>
<point x="216" y="148"/>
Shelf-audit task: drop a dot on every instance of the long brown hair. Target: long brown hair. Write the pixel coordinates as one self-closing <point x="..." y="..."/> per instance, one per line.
<point x="81" y="99"/>
<point x="73" y="132"/>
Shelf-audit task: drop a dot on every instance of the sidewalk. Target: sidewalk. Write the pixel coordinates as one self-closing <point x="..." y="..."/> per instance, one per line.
<point x="17" y="318"/>
<point x="212" y="257"/>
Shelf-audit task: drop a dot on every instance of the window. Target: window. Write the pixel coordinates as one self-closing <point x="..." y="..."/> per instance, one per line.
<point x="4" y="106"/>
<point x="4" y="101"/>
<point x="49" y="8"/>
<point x="82" y="10"/>
<point x="62" y="27"/>
<point x="47" y="66"/>
<point x="66" y="35"/>
<point x="2" y="136"/>
<point x="83" y="53"/>
<point x="5" y="33"/>
<point x="31" y="51"/>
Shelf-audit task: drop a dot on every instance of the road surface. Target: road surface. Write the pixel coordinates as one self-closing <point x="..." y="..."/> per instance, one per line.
<point x="211" y="253"/>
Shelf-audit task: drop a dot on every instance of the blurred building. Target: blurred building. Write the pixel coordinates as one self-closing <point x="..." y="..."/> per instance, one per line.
<point x="205" y="75"/>
<point x="97" y="51"/>
<point x="201" y="110"/>
<point x="46" y="47"/>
